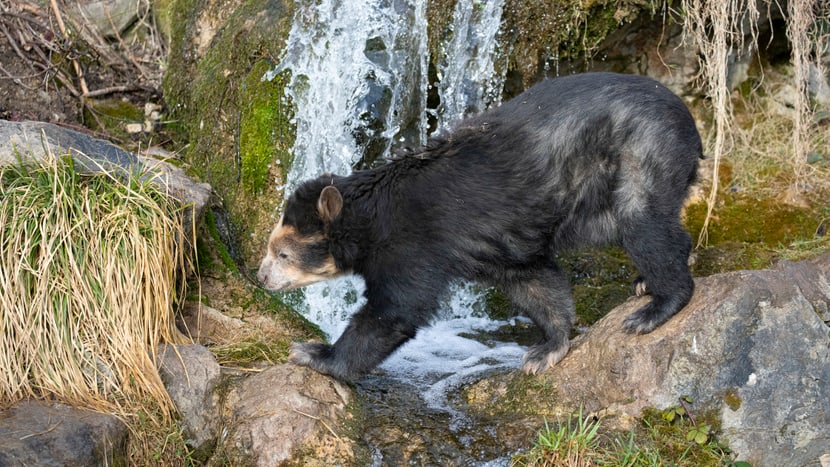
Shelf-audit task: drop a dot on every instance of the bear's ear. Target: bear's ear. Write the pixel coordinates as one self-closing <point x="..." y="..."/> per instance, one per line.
<point x="330" y="204"/>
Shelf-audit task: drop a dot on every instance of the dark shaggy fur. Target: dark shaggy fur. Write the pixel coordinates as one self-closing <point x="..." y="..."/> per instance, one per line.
<point x="590" y="159"/>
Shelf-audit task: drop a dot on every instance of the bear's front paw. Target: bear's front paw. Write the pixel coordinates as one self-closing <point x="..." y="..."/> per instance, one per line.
<point x="646" y="319"/>
<point x="539" y="358"/>
<point x="311" y="354"/>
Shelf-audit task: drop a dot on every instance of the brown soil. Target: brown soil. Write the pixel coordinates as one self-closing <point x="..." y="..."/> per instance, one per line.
<point x="54" y="75"/>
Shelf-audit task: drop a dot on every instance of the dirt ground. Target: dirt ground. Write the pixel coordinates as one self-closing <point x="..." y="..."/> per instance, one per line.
<point x="58" y="74"/>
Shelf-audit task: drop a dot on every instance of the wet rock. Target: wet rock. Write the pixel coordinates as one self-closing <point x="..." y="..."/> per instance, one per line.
<point x="284" y="412"/>
<point x="36" y="140"/>
<point x="751" y="346"/>
<point x="649" y="47"/>
<point x="191" y="375"/>
<point x="46" y="434"/>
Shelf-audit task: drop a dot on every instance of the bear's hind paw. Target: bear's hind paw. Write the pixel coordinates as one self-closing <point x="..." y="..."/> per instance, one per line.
<point x="540" y="357"/>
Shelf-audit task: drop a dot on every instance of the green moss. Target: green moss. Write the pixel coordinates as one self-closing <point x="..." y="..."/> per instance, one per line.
<point x="592" y="303"/>
<point x="601" y="280"/>
<point x="671" y="437"/>
<point x="748" y="233"/>
<point x="498" y="305"/>
<point x="514" y="394"/>
<point x="205" y="258"/>
<point x="746" y="220"/>
<point x="111" y="116"/>
<point x="265" y="136"/>
<point x="732" y="399"/>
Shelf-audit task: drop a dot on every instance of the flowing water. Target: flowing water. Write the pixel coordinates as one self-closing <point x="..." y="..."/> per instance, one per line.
<point x="359" y="84"/>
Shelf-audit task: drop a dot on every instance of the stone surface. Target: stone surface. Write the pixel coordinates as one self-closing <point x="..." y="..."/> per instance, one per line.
<point x="106" y="18"/>
<point x="285" y="411"/>
<point x="206" y="325"/>
<point x="45" y="434"/>
<point x="649" y="47"/>
<point x="755" y="335"/>
<point x="190" y="375"/>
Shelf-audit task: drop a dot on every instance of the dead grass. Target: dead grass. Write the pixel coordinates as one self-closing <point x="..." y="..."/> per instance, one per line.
<point x="763" y="158"/>
<point x="89" y="275"/>
<point x="723" y="29"/>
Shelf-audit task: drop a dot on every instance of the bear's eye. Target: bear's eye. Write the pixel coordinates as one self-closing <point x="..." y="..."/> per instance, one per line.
<point x="283" y="255"/>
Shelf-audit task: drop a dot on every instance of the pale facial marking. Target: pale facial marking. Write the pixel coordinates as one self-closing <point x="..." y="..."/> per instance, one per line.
<point x="294" y="261"/>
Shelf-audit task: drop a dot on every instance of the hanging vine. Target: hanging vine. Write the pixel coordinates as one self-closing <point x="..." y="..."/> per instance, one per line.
<point x="727" y="30"/>
<point x="718" y="29"/>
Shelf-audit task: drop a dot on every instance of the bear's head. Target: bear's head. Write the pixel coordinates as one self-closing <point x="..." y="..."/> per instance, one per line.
<point x="298" y="249"/>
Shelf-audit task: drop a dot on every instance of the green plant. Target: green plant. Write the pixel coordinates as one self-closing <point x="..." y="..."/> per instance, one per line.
<point x="698" y="433"/>
<point x="664" y="437"/>
<point x="574" y="443"/>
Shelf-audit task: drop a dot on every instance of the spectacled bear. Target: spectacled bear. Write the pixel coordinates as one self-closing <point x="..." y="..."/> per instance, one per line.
<point x="589" y="159"/>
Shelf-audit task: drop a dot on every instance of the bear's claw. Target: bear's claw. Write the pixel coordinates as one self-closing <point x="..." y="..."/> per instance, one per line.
<point x="539" y="358"/>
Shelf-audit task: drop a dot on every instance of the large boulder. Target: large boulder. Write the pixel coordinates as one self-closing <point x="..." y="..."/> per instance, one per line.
<point x="191" y="375"/>
<point x="286" y="413"/>
<point x="47" y="434"/>
<point x="754" y="346"/>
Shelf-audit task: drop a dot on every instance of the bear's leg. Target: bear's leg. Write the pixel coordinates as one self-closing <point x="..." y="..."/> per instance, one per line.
<point x="660" y="249"/>
<point x="367" y="341"/>
<point x="545" y="298"/>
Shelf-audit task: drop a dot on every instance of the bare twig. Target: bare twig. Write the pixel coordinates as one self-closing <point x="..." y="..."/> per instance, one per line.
<point x="75" y="64"/>
<point x="13" y="43"/>
<point x="688" y="411"/>
<point x="124" y="46"/>
<point x="319" y="420"/>
<point x="112" y="90"/>
<point x="48" y="430"/>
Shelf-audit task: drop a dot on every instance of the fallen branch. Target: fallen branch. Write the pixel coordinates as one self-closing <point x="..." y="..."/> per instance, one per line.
<point x="112" y="90"/>
<point x="75" y="64"/>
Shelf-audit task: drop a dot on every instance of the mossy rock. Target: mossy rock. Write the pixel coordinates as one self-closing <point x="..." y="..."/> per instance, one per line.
<point x="236" y="125"/>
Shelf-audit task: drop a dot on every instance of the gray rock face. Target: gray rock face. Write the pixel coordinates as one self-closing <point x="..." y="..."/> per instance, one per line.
<point x="750" y="345"/>
<point x="45" y="434"/>
<point x="35" y="140"/>
<point x="191" y="374"/>
<point x="107" y="18"/>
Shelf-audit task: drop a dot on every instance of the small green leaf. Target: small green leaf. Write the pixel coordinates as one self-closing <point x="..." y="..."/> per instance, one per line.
<point x="698" y="434"/>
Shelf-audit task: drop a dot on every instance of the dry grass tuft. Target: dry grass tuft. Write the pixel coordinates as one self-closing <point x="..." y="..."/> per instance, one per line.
<point x="763" y="159"/>
<point x="90" y="268"/>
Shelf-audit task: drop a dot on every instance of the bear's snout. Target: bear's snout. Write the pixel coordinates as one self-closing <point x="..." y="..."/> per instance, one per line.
<point x="266" y="276"/>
